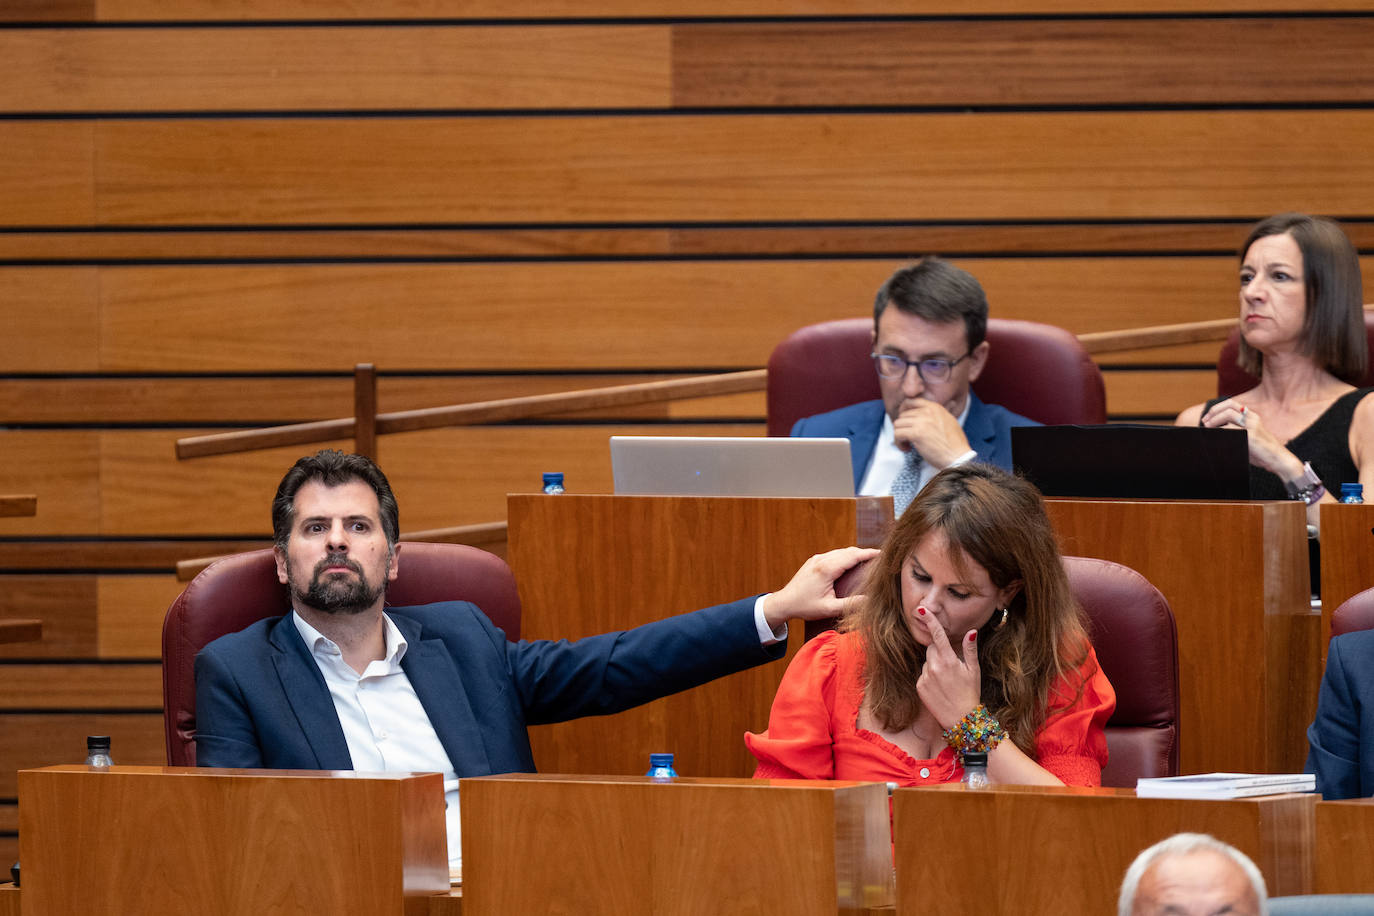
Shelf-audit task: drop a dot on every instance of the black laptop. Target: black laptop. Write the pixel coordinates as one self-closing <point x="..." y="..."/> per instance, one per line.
<point x="1132" y="461"/>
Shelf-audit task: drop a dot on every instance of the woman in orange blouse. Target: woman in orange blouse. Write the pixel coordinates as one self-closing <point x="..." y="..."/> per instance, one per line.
<point x="968" y="640"/>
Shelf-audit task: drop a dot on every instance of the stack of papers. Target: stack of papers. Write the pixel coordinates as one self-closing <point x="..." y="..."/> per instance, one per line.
<point x="1224" y="785"/>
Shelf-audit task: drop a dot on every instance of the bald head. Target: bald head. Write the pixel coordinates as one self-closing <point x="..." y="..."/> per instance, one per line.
<point x="1192" y="875"/>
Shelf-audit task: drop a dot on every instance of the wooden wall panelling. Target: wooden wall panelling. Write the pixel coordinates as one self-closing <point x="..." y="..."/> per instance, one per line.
<point x="1030" y="62"/>
<point x="118" y="555"/>
<point x="1214" y="237"/>
<point x="48" y="174"/>
<point x="441" y="477"/>
<point x="80" y="686"/>
<point x="51" y="738"/>
<point x="1138" y="393"/>
<point x="630" y="315"/>
<point x="61" y="467"/>
<point x="287" y="398"/>
<point x="334" y="68"/>
<point x="65" y="604"/>
<point x="1086" y="165"/>
<point x="219" y="10"/>
<point x="131" y="610"/>
<point x="49" y="315"/>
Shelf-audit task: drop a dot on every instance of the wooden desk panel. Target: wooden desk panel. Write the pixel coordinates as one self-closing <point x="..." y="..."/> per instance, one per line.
<point x="1345" y="847"/>
<point x="693" y="847"/>
<point x="1065" y="851"/>
<point x="225" y="842"/>
<point x="1235" y="575"/>
<point x="590" y="564"/>
<point x="1347" y="538"/>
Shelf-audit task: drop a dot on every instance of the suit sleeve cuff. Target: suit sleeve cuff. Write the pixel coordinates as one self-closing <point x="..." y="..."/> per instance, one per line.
<point x="767" y="636"/>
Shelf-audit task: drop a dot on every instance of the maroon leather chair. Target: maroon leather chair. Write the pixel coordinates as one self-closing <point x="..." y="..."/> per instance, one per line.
<point x="1036" y="370"/>
<point x="237" y="591"/>
<point x="1232" y="380"/>
<point x="1354" y="613"/>
<point x="1132" y="630"/>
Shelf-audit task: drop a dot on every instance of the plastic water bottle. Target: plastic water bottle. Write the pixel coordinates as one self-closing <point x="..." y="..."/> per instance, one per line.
<point x="1352" y="493"/>
<point x="98" y="751"/>
<point x="976" y="769"/>
<point x="661" y="767"/>
<point x="553" y="482"/>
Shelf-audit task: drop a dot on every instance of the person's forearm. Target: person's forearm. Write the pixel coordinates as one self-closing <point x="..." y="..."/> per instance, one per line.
<point x="1008" y="765"/>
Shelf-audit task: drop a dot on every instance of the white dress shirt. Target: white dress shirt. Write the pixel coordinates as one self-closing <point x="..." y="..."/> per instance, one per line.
<point x="386" y="728"/>
<point x="888" y="459"/>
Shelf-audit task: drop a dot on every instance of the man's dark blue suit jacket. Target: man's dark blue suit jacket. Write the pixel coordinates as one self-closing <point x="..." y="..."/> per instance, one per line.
<point x="262" y="702"/>
<point x="988" y="429"/>
<point x="1341" y="739"/>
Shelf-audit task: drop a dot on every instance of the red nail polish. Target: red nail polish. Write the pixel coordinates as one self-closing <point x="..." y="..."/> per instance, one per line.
<point x="920" y="611"/>
<point x="973" y="636"/>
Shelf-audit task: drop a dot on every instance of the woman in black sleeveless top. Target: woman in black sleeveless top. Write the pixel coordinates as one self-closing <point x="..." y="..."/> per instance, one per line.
<point x="1303" y="336"/>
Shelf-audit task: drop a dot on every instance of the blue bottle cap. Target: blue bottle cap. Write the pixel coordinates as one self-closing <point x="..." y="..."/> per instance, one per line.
<point x="553" y="477"/>
<point x="1352" y="489"/>
<point x="660" y="760"/>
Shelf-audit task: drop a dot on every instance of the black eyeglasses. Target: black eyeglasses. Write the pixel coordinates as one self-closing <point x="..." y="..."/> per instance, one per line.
<point x="930" y="369"/>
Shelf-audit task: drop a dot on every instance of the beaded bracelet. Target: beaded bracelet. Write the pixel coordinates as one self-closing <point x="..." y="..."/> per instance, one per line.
<point x="978" y="731"/>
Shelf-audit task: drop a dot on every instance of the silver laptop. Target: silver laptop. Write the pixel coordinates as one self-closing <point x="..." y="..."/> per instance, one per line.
<point x="730" y="466"/>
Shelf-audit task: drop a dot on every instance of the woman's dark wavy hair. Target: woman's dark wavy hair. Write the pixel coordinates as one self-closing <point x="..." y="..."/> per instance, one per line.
<point x="1333" y="328"/>
<point x="998" y="521"/>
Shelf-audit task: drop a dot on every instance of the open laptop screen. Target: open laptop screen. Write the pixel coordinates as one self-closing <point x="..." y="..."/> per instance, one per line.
<point x="1126" y="461"/>
<point x="730" y="466"/>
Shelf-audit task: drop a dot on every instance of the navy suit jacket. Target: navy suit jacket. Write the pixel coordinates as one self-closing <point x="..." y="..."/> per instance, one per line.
<point x="262" y="702"/>
<point x="988" y="429"/>
<point x="1341" y="739"/>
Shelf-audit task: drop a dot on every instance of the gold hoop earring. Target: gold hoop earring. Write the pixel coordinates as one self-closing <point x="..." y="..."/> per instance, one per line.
<point x="1003" y="622"/>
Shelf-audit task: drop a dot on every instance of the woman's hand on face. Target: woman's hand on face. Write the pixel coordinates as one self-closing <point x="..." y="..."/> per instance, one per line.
<point x="1266" y="450"/>
<point x="950" y="681"/>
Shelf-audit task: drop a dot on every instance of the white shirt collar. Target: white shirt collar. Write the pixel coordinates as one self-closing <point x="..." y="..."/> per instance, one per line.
<point x="319" y="644"/>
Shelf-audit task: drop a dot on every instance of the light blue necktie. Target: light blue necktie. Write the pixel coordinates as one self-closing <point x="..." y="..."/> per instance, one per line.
<point x="906" y="484"/>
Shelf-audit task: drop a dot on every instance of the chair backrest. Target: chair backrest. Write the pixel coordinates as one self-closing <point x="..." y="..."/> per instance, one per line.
<point x="237" y="591"/>
<point x="1354" y="613"/>
<point x="1132" y="630"/>
<point x="1231" y="379"/>
<point x="1036" y="370"/>
<point x="1323" y="905"/>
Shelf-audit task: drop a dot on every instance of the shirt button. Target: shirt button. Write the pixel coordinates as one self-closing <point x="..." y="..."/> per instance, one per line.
<point x="381" y="736"/>
<point x="925" y="772"/>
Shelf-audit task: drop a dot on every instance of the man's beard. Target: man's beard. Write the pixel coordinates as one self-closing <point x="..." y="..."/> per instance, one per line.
<point x="335" y="595"/>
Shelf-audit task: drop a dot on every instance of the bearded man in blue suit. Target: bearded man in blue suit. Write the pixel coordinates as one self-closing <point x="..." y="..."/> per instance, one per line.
<point x="336" y="683"/>
<point x="929" y="328"/>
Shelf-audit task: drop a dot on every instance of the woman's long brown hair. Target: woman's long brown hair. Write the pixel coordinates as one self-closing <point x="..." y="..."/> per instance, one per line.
<point x="998" y="521"/>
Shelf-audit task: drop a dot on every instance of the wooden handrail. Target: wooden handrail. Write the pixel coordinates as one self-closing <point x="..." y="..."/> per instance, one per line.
<point x="500" y="411"/>
<point x="1166" y="335"/>
<point x="479" y="535"/>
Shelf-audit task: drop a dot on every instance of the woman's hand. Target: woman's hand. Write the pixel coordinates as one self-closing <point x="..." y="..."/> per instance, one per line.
<point x="949" y="685"/>
<point x="1266" y="450"/>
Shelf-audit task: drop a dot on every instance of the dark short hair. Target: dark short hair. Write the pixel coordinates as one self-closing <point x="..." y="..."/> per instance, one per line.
<point x="937" y="291"/>
<point x="333" y="468"/>
<point x="1333" y="328"/>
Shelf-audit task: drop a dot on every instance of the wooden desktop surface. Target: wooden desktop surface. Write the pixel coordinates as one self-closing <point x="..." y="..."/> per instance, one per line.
<point x="1235" y="575"/>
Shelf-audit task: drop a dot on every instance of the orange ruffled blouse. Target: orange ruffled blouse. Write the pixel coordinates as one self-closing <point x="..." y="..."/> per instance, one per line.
<point x="813" y="728"/>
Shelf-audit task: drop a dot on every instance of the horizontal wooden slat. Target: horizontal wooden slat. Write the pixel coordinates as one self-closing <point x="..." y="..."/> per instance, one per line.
<point x="130" y="611"/>
<point x="9" y="821"/>
<point x="52" y="310"/>
<point x="91" y="555"/>
<point x="965" y="62"/>
<point x="749" y="167"/>
<point x="65" y="604"/>
<point x="48" y="739"/>
<point x="62" y="468"/>
<point x="76" y="246"/>
<point x="152" y="10"/>
<point x="276" y="399"/>
<point x="1141" y="393"/>
<point x="48" y="174"/>
<point x="628" y="315"/>
<point x="332" y="68"/>
<point x="973" y="62"/>
<point x="26" y="686"/>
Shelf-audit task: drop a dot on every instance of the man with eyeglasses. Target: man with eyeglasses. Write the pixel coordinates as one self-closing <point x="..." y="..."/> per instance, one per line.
<point x="929" y="324"/>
